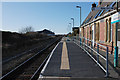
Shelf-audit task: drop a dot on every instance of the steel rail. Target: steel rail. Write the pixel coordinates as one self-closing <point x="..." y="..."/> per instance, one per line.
<point x="25" y="52"/>
<point x="22" y="64"/>
<point x="43" y="64"/>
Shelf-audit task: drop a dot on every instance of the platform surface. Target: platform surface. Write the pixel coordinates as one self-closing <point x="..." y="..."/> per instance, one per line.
<point x="69" y="60"/>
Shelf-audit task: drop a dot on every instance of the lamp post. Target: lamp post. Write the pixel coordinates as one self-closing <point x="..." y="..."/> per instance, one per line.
<point x="80" y="13"/>
<point x="70" y="26"/>
<point x="80" y="22"/>
<point x="73" y="25"/>
<point x="73" y="21"/>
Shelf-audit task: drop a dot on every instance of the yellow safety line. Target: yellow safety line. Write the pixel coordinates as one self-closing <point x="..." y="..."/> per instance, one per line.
<point x="64" y="58"/>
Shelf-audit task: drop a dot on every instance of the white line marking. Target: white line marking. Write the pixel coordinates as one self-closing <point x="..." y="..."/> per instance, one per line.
<point x="47" y="61"/>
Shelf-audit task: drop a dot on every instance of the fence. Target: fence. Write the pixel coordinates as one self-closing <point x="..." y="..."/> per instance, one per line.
<point x="88" y="46"/>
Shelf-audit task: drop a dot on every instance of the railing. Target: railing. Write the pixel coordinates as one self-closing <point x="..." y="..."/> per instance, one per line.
<point x="89" y="48"/>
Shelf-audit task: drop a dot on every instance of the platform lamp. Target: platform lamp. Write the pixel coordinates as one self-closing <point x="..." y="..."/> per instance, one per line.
<point x="80" y="13"/>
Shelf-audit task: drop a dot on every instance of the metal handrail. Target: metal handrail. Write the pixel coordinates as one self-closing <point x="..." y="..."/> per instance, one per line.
<point x="96" y="43"/>
<point x="95" y="52"/>
<point x="98" y="54"/>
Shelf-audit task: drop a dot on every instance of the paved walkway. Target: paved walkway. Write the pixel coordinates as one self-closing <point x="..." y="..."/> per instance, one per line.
<point x="70" y="61"/>
<point x="113" y="72"/>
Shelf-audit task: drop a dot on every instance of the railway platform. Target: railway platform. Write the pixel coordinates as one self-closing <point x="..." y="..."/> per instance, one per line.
<point x="68" y="61"/>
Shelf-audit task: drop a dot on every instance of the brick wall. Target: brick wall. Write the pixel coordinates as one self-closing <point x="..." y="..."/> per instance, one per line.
<point x="113" y="32"/>
<point x="102" y="31"/>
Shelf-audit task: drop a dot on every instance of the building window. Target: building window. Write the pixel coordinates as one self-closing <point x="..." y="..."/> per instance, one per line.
<point x="84" y="32"/>
<point x="87" y="32"/>
<point x="108" y="30"/>
<point x="97" y="32"/>
<point x="91" y="33"/>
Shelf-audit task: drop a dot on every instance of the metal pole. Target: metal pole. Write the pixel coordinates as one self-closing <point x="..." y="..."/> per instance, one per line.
<point x="97" y="53"/>
<point x="116" y="37"/>
<point x="80" y="41"/>
<point x="106" y="63"/>
<point x="70" y="27"/>
<point x="73" y="22"/>
<point x="117" y="5"/>
<point x="80" y="23"/>
<point x="116" y="48"/>
<point x="116" y="57"/>
<point x="91" y="47"/>
<point x="84" y="42"/>
<point x="87" y="44"/>
<point x="80" y="16"/>
<point x="80" y="13"/>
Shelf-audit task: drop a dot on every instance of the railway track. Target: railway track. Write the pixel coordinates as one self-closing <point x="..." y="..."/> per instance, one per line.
<point x="8" y="66"/>
<point x="20" y="54"/>
<point x="30" y="69"/>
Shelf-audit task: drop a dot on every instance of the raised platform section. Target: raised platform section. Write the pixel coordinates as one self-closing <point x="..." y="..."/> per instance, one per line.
<point x="69" y="61"/>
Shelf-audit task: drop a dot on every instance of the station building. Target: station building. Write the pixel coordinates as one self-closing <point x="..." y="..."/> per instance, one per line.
<point x="100" y="26"/>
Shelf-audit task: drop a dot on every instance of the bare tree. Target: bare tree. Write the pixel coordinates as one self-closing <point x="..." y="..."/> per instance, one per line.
<point x="26" y="29"/>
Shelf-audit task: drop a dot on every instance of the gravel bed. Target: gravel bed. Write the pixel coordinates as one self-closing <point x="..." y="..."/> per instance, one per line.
<point x="8" y="66"/>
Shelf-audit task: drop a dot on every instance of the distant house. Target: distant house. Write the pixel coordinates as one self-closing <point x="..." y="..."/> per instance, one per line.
<point x="47" y="32"/>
